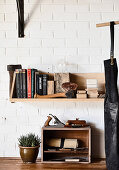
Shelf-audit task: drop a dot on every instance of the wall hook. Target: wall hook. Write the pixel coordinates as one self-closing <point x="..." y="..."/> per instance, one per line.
<point x="20" y="7"/>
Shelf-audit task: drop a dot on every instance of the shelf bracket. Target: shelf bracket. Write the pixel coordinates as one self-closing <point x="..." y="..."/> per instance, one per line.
<point x="20" y="7"/>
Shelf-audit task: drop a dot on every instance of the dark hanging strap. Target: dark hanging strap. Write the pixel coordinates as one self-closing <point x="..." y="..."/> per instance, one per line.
<point x="112" y="42"/>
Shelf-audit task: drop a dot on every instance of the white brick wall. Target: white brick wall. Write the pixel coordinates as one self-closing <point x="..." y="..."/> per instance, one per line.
<point x="60" y="35"/>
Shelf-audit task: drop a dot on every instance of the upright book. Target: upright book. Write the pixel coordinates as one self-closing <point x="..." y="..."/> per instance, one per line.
<point x="24" y="83"/>
<point x="39" y="83"/>
<point x="45" y="79"/>
<point x="29" y="83"/>
<point x="33" y="82"/>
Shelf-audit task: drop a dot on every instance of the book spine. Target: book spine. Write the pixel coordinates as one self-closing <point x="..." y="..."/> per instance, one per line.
<point x="32" y="82"/>
<point x="17" y="83"/>
<point x="21" y="83"/>
<point x="45" y="79"/>
<point x="29" y="83"/>
<point x="24" y="81"/>
<point x="39" y="84"/>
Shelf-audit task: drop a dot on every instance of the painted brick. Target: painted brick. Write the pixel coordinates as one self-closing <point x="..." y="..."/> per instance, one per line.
<point x="53" y="43"/>
<point x="52" y="60"/>
<point x="110" y="16"/>
<point x="89" y="1"/>
<point x="89" y="68"/>
<point x="28" y="42"/>
<point x="8" y="43"/>
<point x="41" y="51"/>
<point x="82" y="27"/>
<point x="77" y="59"/>
<point x="14" y="1"/>
<point x="41" y="34"/>
<point x="35" y="26"/>
<point x="52" y="26"/>
<point x="64" y="16"/>
<point x="77" y="8"/>
<point x="11" y="17"/>
<point x="41" y="17"/>
<point x="2" y="2"/>
<point x="65" y="34"/>
<point x="52" y="8"/>
<point x="65" y="1"/>
<point x="7" y="26"/>
<point x="89" y="16"/>
<point x="43" y="2"/>
<point x="18" y="52"/>
<point x="11" y="34"/>
<point x="33" y="61"/>
<point x="104" y="7"/>
<point x="79" y="42"/>
<point x="32" y="9"/>
<point x="4" y="8"/>
<point x="116" y="7"/>
<point x="10" y="60"/>
<point x="1" y="17"/>
<point x="2" y="52"/>
<point x="65" y="51"/>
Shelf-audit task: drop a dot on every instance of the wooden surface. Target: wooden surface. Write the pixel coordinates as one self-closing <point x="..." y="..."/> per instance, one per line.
<point x="50" y="87"/>
<point x="81" y="134"/>
<point x="78" y="78"/>
<point x="13" y="100"/>
<point x="50" y="96"/>
<point x="16" y="164"/>
<point x="106" y="24"/>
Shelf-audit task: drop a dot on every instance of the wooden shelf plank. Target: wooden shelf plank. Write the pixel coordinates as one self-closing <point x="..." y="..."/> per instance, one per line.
<point x="76" y="152"/>
<point x="13" y="100"/>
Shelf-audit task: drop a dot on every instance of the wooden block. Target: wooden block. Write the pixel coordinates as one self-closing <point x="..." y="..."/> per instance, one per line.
<point x="93" y="95"/>
<point x="50" y="96"/>
<point x="91" y="81"/>
<point x="50" y="87"/>
<point x="91" y="85"/>
<point x="60" y="78"/>
<point x="81" y="91"/>
<point x="70" y="143"/>
<point x="81" y="96"/>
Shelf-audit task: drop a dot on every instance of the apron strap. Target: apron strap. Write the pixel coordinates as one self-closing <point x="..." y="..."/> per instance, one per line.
<point x="112" y="42"/>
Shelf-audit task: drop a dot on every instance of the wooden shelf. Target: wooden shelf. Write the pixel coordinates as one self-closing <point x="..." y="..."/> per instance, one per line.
<point x="83" y="135"/>
<point x="70" y="152"/>
<point x="13" y="100"/>
<point x="78" y="78"/>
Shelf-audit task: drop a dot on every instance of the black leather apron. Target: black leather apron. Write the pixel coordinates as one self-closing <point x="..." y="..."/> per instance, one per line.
<point x="111" y="109"/>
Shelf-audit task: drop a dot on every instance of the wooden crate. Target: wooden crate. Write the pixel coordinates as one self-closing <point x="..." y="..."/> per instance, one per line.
<point x="82" y="134"/>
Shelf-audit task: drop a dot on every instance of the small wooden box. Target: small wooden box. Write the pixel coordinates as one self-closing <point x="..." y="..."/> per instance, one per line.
<point x="83" y="135"/>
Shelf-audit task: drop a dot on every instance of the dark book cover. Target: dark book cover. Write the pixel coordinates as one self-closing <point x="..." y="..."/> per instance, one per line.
<point x="45" y="79"/>
<point x="33" y="82"/>
<point x="17" y="83"/>
<point x="21" y="83"/>
<point x="39" y="84"/>
<point x="29" y="83"/>
<point x="24" y="83"/>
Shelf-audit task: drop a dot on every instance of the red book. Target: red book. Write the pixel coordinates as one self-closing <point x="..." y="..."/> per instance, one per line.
<point x="29" y="83"/>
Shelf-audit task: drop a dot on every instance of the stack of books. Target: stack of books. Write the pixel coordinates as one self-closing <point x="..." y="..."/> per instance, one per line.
<point x="81" y="94"/>
<point x="30" y="82"/>
<point x="92" y="88"/>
